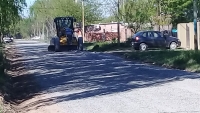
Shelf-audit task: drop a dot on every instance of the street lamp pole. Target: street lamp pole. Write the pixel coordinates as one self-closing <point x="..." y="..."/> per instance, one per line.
<point x="83" y="21"/>
<point x="118" y="23"/>
<point x="195" y="24"/>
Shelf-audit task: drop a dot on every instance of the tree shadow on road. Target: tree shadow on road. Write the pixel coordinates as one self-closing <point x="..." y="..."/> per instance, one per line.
<point x="83" y="75"/>
<point x="20" y="85"/>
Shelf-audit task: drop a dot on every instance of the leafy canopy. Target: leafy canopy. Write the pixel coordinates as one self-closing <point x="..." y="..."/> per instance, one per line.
<point x="10" y="13"/>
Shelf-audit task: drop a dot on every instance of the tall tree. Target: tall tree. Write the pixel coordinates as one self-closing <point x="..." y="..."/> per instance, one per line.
<point x="9" y="13"/>
<point x="136" y="13"/>
<point x="156" y="12"/>
<point x="179" y="10"/>
<point x="44" y="11"/>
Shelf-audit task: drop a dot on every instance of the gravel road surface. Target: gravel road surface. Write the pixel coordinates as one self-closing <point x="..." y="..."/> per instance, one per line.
<point x="85" y="82"/>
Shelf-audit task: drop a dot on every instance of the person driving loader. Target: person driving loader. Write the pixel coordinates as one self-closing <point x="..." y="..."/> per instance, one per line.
<point x="67" y="32"/>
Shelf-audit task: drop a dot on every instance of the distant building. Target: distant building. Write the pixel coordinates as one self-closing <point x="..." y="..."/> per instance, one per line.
<point x="108" y="31"/>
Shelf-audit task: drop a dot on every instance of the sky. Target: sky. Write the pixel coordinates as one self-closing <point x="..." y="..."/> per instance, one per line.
<point x="30" y="3"/>
<point x="26" y="10"/>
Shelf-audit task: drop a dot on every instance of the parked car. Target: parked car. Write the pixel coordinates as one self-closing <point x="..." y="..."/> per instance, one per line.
<point x="143" y="40"/>
<point x="36" y="38"/>
<point x="7" y="39"/>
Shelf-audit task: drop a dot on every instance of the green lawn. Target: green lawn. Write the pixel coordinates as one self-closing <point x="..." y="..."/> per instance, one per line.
<point x="180" y="59"/>
<point x="1" y="70"/>
<point x="105" y="46"/>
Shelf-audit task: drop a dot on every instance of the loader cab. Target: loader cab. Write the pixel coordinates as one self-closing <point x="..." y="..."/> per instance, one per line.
<point x="64" y="22"/>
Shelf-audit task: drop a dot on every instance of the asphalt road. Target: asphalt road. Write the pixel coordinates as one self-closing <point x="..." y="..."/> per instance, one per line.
<point x="85" y="82"/>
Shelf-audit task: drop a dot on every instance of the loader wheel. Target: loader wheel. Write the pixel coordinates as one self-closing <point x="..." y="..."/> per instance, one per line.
<point x="81" y="47"/>
<point x="57" y="44"/>
<point x="51" y="48"/>
<point x="80" y="43"/>
<point x="57" y="47"/>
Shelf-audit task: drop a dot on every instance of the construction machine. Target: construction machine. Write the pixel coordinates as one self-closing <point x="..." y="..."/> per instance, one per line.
<point x="65" y="39"/>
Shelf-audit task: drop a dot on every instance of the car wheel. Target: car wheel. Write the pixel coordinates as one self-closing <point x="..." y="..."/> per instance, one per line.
<point x="57" y="45"/>
<point x="173" y="45"/>
<point x="143" y="47"/>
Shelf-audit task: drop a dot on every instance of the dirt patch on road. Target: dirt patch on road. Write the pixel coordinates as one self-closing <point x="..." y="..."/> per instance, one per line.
<point x="20" y="85"/>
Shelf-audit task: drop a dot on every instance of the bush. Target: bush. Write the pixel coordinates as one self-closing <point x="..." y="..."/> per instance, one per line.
<point x="114" y="40"/>
<point x="128" y="42"/>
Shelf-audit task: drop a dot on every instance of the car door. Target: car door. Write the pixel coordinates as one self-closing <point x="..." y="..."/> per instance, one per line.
<point x="150" y="38"/>
<point x="159" y="40"/>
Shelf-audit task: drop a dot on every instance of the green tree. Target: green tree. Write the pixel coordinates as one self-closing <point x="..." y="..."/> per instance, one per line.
<point x="44" y="11"/>
<point x="181" y="11"/>
<point x="136" y="13"/>
<point x="156" y="12"/>
<point x="9" y="14"/>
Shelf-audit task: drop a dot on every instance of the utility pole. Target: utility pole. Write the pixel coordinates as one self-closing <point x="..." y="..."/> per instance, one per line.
<point x="160" y="10"/>
<point x="83" y="21"/>
<point x="123" y="5"/>
<point x="118" y="23"/>
<point x="195" y="25"/>
<point x="159" y="15"/>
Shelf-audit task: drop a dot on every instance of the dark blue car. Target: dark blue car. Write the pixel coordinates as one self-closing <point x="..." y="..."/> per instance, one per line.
<point x="143" y="40"/>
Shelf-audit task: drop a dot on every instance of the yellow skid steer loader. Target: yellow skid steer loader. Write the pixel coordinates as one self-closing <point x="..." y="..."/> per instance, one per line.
<point x="65" y="39"/>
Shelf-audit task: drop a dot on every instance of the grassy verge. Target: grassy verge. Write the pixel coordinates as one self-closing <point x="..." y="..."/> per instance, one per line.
<point x="105" y="46"/>
<point x="2" y="65"/>
<point x="2" y="77"/>
<point x="180" y="59"/>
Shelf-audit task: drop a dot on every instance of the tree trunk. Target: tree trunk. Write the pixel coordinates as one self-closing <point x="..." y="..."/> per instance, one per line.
<point x="43" y="36"/>
<point x="38" y="32"/>
<point x="1" y="39"/>
<point x="34" y="31"/>
<point x="47" y="31"/>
